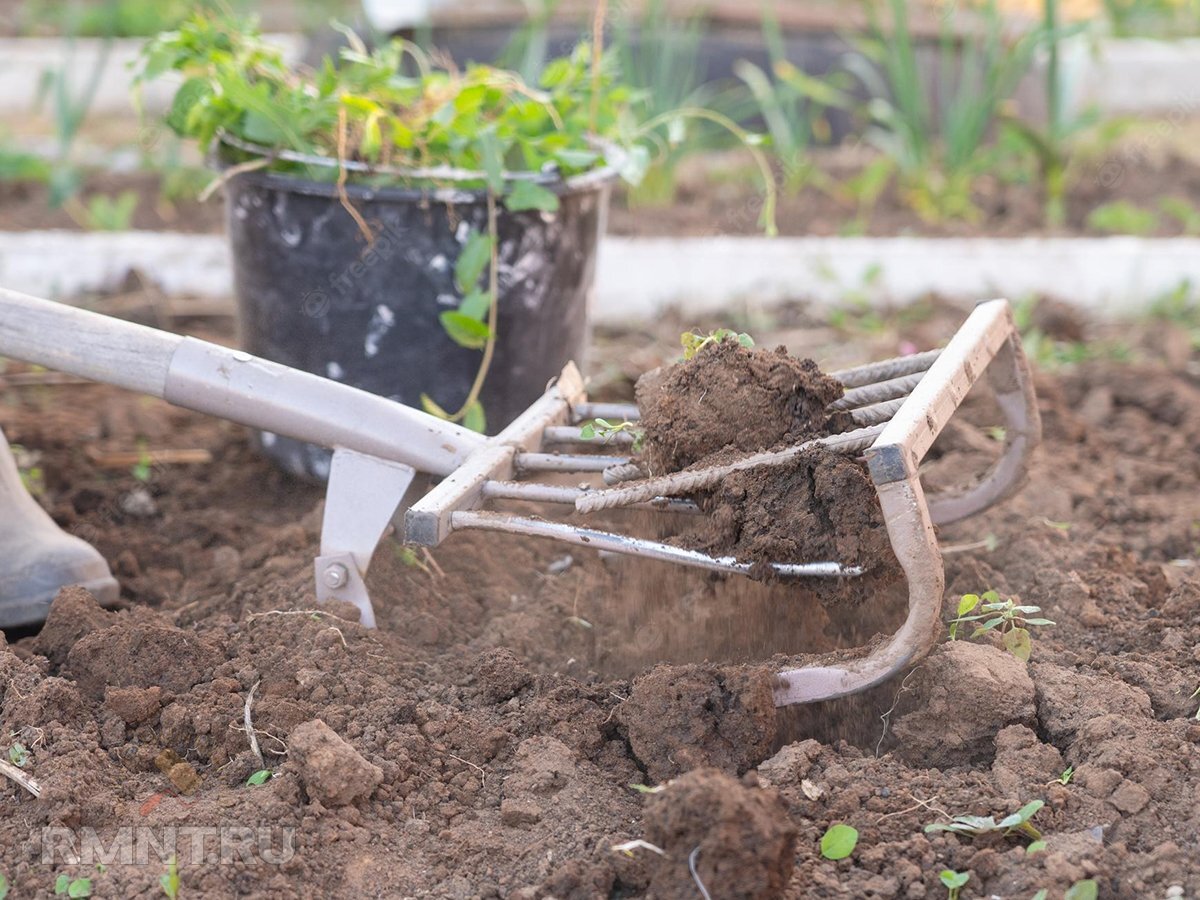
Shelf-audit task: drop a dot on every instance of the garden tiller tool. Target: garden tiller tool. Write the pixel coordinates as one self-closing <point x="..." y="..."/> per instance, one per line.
<point x="380" y="447"/>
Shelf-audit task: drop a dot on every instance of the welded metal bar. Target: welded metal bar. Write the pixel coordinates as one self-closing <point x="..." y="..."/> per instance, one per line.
<point x="536" y="492"/>
<point x="569" y="434"/>
<point x="878" y="392"/>
<point x="566" y="462"/>
<point x="888" y="368"/>
<point x="614" y="412"/>
<point x="618" y="543"/>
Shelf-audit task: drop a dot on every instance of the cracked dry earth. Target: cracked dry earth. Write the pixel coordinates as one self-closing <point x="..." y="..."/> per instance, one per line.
<point x="482" y="742"/>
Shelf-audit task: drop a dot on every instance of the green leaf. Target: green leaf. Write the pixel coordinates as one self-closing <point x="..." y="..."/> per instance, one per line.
<point x="577" y="159"/>
<point x="1035" y="847"/>
<point x="1018" y="643"/>
<point x="1082" y="890"/>
<point x="991" y="596"/>
<point x="952" y="879"/>
<point x="472" y="260"/>
<point x="967" y="603"/>
<point x="476" y="304"/>
<point x="474" y="418"/>
<point x="191" y="92"/>
<point x="464" y="330"/>
<point x="588" y="431"/>
<point x="3" y="886"/>
<point x="493" y="161"/>
<point x="839" y="841"/>
<point x="527" y="195"/>
<point x="262" y="776"/>
<point x="61" y="884"/>
<point x="1041" y="895"/>
<point x="1038" y="622"/>
<point x="80" y="887"/>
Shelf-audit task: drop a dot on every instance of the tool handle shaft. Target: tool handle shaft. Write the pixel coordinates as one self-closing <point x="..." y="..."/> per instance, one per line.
<point x="85" y="344"/>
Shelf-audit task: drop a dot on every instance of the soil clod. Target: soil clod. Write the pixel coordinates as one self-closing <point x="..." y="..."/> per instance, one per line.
<point x="332" y="771"/>
<point x="683" y="717"/>
<point x="734" y="838"/>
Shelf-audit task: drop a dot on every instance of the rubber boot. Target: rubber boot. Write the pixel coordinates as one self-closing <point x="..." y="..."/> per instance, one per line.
<point x="37" y="558"/>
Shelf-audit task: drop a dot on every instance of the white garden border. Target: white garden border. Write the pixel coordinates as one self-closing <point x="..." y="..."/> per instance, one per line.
<point x="638" y="279"/>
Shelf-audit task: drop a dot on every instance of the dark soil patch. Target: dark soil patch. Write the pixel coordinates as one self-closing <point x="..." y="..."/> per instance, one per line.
<point x="506" y="753"/>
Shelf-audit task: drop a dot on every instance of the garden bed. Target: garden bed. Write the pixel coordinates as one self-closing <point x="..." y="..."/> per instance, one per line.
<point x="493" y="706"/>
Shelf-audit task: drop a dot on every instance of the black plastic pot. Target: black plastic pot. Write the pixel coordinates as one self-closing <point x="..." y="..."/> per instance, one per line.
<point x="313" y="295"/>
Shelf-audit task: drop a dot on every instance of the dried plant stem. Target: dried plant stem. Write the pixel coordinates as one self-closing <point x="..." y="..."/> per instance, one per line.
<point x="8" y="770"/>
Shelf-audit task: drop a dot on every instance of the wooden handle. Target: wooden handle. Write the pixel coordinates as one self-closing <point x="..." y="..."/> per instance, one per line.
<point x="86" y="344"/>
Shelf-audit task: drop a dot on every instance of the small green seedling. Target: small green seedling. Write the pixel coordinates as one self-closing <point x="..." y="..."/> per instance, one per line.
<point x="79" y="887"/>
<point x="1067" y="774"/>
<point x="261" y="777"/>
<point x="170" y="881"/>
<point x="604" y="431"/>
<point x="977" y="825"/>
<point x="839" y="841"/>
<point x="1035" y="847"/>
<point x="18" y="755"/>
<point x="143" y="469"/>
<point x="694" y="342"/>
<point x="3" y="886"/>
<point x="954" y="882"/>
<point x="1005" y="616"/>
<point x="1082" y="890"/>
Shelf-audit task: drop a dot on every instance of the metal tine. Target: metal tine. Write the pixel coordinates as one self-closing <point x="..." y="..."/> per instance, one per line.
<point x="569" y="434"/>
<point x="566" y="462"/>
<point x="886" y="370"/>
<point x="619" y="412"/>
<point x="877" y="413"/>
<point x="619" y="543"/>
<point x="878" y="391"/>
<point x="537" y="492"/>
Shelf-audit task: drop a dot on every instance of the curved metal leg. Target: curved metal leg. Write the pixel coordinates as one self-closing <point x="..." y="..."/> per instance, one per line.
<point x="988" y="342"/>
<point x="1012" y="382"/>
<point x="916" y="548"/>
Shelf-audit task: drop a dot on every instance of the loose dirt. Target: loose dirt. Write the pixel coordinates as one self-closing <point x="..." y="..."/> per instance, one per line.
<point x="509" y="698"/>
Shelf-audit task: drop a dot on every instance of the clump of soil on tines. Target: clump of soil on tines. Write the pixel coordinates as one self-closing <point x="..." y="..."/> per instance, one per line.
<point x="730" y="400"/>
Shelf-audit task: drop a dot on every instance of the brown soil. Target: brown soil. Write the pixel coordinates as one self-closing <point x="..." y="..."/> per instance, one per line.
<point x="25" y="206"/>
<point x="491" y="744"/>
<point x="729" y="397"/>
<point x="1142" y="171"/>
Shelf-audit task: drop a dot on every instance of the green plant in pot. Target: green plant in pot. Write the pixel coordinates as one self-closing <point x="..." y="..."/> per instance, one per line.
<point x="421" y="231"/>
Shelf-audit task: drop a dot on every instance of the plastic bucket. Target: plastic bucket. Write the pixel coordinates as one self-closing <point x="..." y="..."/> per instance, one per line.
<point x="313" y="295"/>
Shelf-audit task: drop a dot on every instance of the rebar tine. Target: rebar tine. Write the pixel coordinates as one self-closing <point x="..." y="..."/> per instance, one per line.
<point x="536" y="492"/>
<point x="885" y="370"/>
<point x="877" y="414"/>
<point x="700" y="479"/>
<point x="878" y="392"/>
